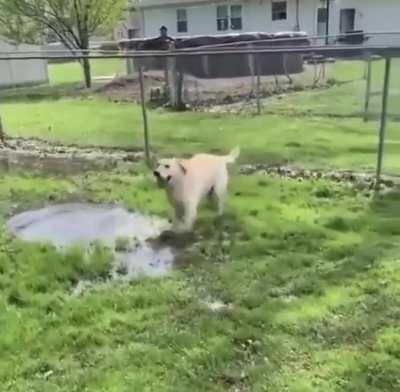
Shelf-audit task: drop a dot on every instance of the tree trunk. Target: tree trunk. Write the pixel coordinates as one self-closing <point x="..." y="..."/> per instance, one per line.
<point x="87" y="72"/>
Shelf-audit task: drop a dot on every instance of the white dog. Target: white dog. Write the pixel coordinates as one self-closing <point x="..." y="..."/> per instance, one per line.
<point x="188" y="181"/>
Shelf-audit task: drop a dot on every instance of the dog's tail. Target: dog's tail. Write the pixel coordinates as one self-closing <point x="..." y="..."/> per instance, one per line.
<point x="233" y="155"/>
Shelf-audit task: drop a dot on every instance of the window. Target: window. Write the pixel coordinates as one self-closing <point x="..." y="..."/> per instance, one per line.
<point x="279" y="10"/>
<point x="222" y="17"/>
<point x="226" y="14"/>
<point x="181" y="17"/>
<point x="322" y="19"/>
<point x="236" y="17"/>
<point x="347" y="20"/>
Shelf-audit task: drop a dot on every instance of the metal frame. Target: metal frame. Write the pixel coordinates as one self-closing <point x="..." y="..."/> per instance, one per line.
<point x="368" y="88"/>
<point x="382" y="128"/>
<point x="337" y="51"/>
<point x="144" y="114"/>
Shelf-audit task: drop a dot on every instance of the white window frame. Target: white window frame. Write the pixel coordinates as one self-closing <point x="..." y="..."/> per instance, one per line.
<point x="273" y="16"/>
<point x="181" y="17"/>
<point x="226" y="18"/>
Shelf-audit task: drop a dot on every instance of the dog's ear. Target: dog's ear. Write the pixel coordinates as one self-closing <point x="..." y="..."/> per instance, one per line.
<point x="182" y="167"/>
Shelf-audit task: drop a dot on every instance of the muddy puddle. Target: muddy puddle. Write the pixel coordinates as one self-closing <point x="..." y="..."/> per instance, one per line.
<point x="50" y="164"/>
<point x="127" y="233"/>
<point x="58" y="159"/>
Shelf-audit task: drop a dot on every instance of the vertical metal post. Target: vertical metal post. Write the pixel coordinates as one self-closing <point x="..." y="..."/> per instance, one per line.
<point x="368" y="89"/>
<point x="166" y="79"/>
<point x="179" y="90"/>
<point x="258" y="85"/>
<point x="145" y="124"/>
<point x="383" y="122"/>
<point x="2" y="133"/>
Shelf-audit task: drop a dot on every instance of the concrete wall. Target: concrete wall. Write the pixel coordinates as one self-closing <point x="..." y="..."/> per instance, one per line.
<point x="371" y="15"/>
<point x="21" y="72"/>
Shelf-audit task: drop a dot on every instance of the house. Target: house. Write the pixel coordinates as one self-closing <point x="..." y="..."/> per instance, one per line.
<point x="201" y="17"/>
<point x="15" y="73"/>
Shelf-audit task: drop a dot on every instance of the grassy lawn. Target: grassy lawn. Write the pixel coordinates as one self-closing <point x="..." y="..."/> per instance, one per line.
<point x="308" y="140"/>
<point x="72" y="72"/>
<point x="320" y="128"/>
<point x="347" y="97"/>
<point x="310" y="269"/>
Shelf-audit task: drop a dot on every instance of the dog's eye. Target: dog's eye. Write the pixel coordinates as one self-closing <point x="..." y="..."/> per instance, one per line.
<point x="166" y="166"/>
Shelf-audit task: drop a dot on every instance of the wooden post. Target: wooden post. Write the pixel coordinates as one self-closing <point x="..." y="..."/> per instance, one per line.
<point x="144" y="113"/>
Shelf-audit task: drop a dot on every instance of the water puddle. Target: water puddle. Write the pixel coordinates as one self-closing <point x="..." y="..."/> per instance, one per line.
<point x="82" y="224"/>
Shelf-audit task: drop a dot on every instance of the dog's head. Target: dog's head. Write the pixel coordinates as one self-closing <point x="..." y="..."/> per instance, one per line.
<point x="169" y="171"/>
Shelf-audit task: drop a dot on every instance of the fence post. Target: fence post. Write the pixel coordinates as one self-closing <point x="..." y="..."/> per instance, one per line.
<point x="2" y="133"/>
<point x="144" y="113"/>
<point x="179" y="90"/>
<point x="258" y="85"/>
<point x="368" y="89"/>
<point x="382" y="127"/>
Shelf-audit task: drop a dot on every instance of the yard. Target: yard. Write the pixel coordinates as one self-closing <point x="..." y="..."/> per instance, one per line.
<point x="296" y="288"/>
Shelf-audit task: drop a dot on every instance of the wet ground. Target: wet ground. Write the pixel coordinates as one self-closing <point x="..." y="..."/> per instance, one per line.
<point x="58" y="159"/>
<point x="82" y="224"/>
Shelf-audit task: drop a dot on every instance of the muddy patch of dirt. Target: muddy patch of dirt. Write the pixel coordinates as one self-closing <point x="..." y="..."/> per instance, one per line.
<point x="127" y="89"/>
<point x="361" y="181"/>
<point x="60" y="159"/>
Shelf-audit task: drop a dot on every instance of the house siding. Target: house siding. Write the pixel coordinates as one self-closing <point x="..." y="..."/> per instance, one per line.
<point x="371" y="15"/>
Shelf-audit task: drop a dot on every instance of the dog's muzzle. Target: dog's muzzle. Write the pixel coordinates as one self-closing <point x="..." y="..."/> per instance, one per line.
<point x="160" y="179"/>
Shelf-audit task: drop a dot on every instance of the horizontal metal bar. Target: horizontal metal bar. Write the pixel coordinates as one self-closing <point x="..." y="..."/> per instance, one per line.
<point x="101" y="51"/>
<point x="332" y="51"/>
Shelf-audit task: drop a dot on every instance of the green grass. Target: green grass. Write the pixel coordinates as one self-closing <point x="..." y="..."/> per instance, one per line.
<point x="313" y="284"/>
<point x="72" y="72"/>
<point x="311" y="140"/>
<point x="319" y="128"/>
<point x="347" y="97"/>
<point x="310" y="269"/>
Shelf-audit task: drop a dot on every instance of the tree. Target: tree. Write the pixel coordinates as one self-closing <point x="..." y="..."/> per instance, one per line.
<point x="73" y="22"/>
<point x="17" y="29"/>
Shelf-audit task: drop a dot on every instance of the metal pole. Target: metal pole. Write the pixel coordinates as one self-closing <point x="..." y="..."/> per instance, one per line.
<point x="368" y="89"/>
<point x="2" y="133"/>
<point x="297" y="27"/>
<point x="256" y="68"/>
<point x="383" y="122"/>
<point x="145" y="124"/>
<point x="179" y="90"/>
<point x="328" y="6"/>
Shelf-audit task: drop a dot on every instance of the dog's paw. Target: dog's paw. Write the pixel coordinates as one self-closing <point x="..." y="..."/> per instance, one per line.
<point x="180" y="228"/>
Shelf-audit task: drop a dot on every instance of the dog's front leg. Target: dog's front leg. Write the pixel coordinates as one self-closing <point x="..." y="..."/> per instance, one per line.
<point x="179" y="214"/>
<point x="190" y="214"/>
